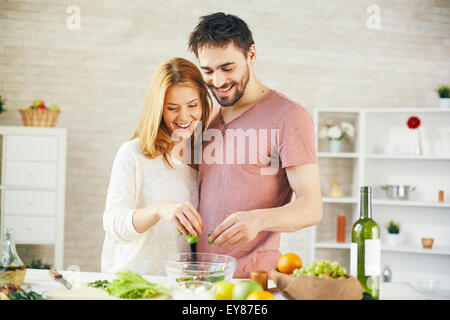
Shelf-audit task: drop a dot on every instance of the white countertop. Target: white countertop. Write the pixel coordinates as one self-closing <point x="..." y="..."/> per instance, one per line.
<point x="40" y="281"/>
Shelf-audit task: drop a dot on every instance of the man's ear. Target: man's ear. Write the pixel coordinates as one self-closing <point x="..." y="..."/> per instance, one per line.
<point x="251" y="54"/>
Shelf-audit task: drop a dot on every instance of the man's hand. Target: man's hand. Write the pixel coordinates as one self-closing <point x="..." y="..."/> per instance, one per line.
<point x="304" y="211"/>
<point x="236" y="228"/>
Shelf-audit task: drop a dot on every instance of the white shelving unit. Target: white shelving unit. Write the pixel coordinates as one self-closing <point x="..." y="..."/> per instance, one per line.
<point x="33" y="184"/>
<point x="384" y="152"/>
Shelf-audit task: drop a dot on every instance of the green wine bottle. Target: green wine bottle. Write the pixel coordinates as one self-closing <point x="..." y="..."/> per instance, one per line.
<point x="365" y="247"/>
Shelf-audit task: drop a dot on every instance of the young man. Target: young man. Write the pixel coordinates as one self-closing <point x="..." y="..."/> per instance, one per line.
<point x="244" y="205"/>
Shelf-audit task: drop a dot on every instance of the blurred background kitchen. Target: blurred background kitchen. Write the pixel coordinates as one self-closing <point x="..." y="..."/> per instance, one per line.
<point x="365" y="66"/>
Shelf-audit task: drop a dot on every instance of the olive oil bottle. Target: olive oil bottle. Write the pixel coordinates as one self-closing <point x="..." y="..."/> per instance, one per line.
<point x="365" y="247"/>
<point x="12" y="269"/>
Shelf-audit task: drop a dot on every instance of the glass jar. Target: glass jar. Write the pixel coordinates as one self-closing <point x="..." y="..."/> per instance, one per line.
<point x="12" y="269"/>
<point x="335" y="190"/>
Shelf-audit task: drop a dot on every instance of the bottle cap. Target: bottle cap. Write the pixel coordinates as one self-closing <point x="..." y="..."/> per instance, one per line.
<point x="366" y="189"/>
<point x="260" y="276"/>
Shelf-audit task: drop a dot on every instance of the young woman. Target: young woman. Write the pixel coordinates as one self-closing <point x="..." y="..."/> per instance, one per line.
<point x="153" y="191"/>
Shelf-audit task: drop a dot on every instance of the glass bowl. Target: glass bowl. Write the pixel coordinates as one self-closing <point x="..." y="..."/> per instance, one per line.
<point x="200" y="267"/>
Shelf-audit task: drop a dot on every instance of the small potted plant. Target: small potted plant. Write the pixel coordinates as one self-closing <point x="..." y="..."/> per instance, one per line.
<point x="444" y="96"/>
<point x="393" y="236"/>
<point x="2" y="105"/>
<point x="336" y="133"/>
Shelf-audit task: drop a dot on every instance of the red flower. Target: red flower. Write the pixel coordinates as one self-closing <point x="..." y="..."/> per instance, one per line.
<point x="413" y="122"/>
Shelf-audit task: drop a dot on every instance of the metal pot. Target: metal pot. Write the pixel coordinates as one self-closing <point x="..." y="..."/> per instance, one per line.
<point x="397" y="192"/>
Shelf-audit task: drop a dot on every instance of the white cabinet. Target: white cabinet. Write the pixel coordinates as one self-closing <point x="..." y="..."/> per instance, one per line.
<point x="31" y="174"/>
<point x="385" y="152"/>
<point x="33" y="171"/>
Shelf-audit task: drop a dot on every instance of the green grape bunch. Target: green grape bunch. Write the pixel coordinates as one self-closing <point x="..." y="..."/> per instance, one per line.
<point x="322" y="269"/>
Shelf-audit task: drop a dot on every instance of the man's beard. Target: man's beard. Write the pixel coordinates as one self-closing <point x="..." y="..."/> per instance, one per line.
<point x="240" y="89"/>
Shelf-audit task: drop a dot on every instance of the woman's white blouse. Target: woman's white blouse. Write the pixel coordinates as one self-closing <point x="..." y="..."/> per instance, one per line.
<point x="137" y="182"/>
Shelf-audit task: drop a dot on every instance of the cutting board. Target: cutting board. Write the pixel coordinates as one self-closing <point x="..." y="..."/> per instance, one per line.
<point x="83" y="292"/>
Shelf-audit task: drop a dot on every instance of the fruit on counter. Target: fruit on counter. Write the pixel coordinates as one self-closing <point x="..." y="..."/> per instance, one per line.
<point x="223" y="290"/>
<point x="260" y="295"/>
<point x="289" y="262"/>
<point x="243" y="288"/>
<point x="322" y="269"/>
<point x="36" y="103"/>
<point x="40" y="105"/>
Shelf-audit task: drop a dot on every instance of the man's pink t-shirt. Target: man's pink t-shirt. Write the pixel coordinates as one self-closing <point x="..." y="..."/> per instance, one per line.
<point x="243" y="169"/>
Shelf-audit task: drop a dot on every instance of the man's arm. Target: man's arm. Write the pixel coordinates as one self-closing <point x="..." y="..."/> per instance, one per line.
<point x="304" y="211"/>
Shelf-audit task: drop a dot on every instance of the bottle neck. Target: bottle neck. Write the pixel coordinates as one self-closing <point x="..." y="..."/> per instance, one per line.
<point x="366" y="205"/>
<point x="8" y="246"/>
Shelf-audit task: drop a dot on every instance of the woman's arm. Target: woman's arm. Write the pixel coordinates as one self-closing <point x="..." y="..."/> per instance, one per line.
<point x="120" y="200"/>
<point x="123" y="221"/>
<point x="182" y="214"/>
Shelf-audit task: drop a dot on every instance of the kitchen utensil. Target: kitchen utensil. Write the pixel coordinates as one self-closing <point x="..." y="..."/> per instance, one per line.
<point x="427" y="243"/>
<point x="398" y="192"/>
<point x="209" y="267"/>
<point x="59" y="278"/>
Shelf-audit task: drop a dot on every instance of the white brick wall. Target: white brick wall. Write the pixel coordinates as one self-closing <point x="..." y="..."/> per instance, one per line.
<point x="319" y="53"/>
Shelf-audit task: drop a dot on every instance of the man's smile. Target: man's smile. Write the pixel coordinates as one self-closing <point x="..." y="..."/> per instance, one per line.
<point x="223" y="91"/>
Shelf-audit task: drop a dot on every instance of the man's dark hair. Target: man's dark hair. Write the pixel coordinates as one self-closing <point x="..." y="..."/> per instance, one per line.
<point x="219" y="29"/>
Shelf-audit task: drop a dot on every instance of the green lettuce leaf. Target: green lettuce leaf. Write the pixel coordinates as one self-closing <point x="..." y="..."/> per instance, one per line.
<point x="130" y="285"/>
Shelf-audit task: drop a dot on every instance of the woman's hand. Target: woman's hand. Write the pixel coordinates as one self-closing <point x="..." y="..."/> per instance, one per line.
<point x="183" y="214"/>
<point x="238" y="227"/>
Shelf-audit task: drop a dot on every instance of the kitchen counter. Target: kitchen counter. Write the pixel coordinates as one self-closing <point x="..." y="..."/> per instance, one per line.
<point x="40" y="281"/>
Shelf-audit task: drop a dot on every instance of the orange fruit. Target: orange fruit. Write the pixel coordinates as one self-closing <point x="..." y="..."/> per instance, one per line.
<point x="260" y="295"/>
<point x="223" y="290"/>
<point x="289" y="262"/>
